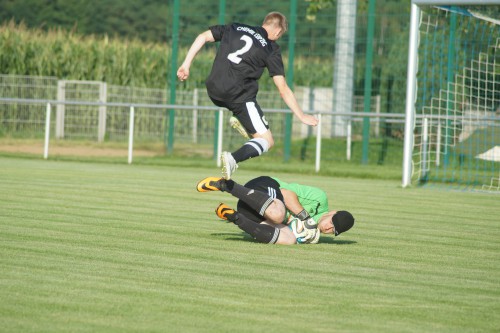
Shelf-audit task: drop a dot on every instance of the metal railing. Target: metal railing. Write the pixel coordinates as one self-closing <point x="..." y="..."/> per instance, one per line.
<point x="351" y="116"/>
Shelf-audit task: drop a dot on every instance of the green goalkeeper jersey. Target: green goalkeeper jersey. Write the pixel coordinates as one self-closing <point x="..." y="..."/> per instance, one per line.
<point x="313" y="199"/>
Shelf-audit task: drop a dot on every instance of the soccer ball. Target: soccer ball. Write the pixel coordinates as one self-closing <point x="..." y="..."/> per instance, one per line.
<point x="298" y="229"/>
<point x="302" y="234"/>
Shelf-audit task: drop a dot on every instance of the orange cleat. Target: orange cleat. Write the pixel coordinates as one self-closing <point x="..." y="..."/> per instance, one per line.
<point x="210" y="184"/>
<point x="224" y="212"/>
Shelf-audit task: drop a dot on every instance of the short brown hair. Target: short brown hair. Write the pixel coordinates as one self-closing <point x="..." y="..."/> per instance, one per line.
<point x="276" y="19"/>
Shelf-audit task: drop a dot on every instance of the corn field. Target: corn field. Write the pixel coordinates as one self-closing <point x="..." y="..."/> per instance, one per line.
<point x="66" y="55"/>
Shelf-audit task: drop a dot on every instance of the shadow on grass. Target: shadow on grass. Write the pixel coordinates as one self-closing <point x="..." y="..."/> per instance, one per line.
<point x="232" y="236"/>
<point x="331" y="240"/>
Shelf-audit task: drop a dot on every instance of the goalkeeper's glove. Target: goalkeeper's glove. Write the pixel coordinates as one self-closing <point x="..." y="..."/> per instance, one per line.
<point x="302" y="234"/>
<point x="305" y="228"/>
<point x="309" y="222"/>
<point x="314" y="236"/>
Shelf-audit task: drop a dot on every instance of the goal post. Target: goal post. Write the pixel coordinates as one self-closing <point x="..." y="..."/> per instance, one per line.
<point x="453" y="93"/>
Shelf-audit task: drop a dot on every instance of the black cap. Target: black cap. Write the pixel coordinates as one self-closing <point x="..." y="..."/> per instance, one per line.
<point x="342" y="221"/>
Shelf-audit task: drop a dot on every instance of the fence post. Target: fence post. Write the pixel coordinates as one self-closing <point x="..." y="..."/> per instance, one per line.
<point x="195" y="116"/>
<point x="349" y="139"/>
<point x="218" y="148"/>
<point x="368" y="79"/>
<point x="289" y="78"/>
<point x="101" y="131"/>
<point x="425" y="142"/>
<point x="438" y="143"/>
<point x="377" y="120"/>
<point x="318" y="143"/>
<point x="450" y="80"/>
<point x="47" y="132"/>
<point x="60" y="108"/>
<point x="131" y="134"/>
<point x="173" y="74"/>
<point x="343" y="71"/>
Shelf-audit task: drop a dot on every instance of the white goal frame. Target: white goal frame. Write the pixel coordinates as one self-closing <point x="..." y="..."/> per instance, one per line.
<point x="411" y="88"/>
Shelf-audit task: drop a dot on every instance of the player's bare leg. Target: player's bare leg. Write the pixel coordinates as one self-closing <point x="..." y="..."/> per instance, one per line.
<point x="258" y="145"/>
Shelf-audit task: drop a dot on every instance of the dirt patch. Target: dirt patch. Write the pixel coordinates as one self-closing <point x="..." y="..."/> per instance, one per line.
<point x="37" y="148"/>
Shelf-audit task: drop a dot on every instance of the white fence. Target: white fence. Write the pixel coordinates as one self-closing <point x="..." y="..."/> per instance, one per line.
<point x="354" y="117"/>
<point x="72" y="119"/>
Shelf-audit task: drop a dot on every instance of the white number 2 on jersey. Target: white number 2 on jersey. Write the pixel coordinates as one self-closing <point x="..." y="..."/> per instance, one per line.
<point x="234" y="57"/>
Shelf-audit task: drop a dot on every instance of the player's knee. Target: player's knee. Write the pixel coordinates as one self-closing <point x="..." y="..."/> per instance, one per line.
<point x="266" y="140"/>
<point x="276" y="211"/>
<point x="269" y="139"/>
<point x="286" y="237"/>
<point x="261" y="144"/>
<point x="270" y="143"/>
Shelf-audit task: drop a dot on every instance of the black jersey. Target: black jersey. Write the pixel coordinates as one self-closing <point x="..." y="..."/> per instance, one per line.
<point x="244" y="52"/>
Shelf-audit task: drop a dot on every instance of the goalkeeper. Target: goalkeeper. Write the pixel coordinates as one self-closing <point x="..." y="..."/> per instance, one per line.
<point x="275" y="212"/>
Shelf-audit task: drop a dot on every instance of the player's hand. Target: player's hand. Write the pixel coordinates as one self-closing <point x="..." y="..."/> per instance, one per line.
<point x="183" y="73"/>
<point x="310" y="233"/>
<point x="303" y="234"/>
<point x="312" y="236"/>
<point x="298" y="229"/>
<point x="309" y="236"/>
<point x="309" y="222"/>
<point x="309" y="120"/>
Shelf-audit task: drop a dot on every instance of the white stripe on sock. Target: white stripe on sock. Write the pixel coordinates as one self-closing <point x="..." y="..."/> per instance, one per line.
<point x="256" y="146"/>
<point x="266" y="204"/>
<point x="275" y="236"/>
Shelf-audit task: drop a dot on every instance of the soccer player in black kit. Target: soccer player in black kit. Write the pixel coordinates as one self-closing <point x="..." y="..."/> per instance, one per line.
<point x="244" y="52"/>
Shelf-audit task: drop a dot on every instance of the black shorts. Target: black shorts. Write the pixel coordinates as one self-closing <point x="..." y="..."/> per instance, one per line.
<point x="263" y="184"/>
<point x="249" y="114"/>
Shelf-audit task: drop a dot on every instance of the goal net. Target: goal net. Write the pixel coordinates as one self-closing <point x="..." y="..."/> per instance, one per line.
<point x="453" y="115"/>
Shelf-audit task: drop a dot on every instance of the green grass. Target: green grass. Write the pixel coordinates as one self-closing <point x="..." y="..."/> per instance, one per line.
<point x="101" y="247"/>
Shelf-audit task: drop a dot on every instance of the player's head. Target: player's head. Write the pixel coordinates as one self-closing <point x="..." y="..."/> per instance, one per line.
<point x="336" y="222"/>
<point x="342" y="221"/>
<point x="275" y="24"/>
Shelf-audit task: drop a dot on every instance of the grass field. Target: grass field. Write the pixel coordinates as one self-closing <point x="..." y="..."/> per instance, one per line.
<point x="101" y="247"/>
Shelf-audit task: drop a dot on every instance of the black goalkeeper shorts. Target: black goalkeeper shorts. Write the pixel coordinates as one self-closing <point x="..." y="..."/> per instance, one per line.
<point x="263" y="184"/>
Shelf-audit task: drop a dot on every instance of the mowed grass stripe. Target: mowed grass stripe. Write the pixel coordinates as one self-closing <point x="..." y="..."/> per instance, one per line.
<point x="96" y="247"/>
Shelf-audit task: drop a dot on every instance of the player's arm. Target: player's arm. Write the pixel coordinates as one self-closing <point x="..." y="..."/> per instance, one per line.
<point x="290" y="100"/>
<point x="204" y="37"/>
<point x="292" y="203"/>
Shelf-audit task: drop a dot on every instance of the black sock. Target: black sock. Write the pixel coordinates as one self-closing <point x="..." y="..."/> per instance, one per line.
<point x="261" y="232"/>
<point x="258" y="201"/>
<point x="251" y="148"/>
